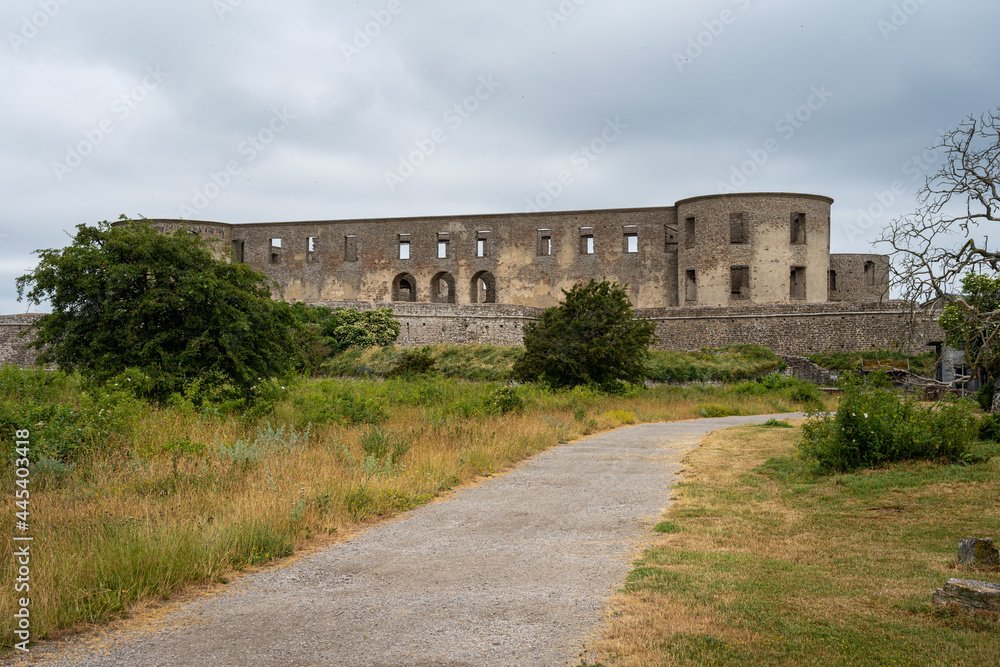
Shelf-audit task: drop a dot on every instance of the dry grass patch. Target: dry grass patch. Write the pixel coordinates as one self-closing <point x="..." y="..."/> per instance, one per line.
<point x="774" y="565"/>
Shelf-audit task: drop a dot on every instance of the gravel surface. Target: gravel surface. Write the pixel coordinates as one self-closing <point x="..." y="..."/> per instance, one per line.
<point x="512" y="571"/>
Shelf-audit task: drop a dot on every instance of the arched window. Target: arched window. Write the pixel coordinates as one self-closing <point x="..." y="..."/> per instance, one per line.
<point x="484" y="288"/>
<point x="404" y="288"/>
<point x="443" y="288"/>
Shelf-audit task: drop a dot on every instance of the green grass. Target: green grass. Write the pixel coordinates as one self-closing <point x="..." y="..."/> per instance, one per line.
<point x="771" y="564"/>
<point x="921" y="364"/>
<point x="483" y="363"/>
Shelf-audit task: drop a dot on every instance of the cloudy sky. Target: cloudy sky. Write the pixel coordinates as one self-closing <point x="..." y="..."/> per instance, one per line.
<point x="257" y="110"/>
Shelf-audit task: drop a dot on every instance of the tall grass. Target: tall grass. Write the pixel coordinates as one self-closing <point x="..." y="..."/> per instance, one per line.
<point x="494" y="363"/>
<point x="159" y="498"/>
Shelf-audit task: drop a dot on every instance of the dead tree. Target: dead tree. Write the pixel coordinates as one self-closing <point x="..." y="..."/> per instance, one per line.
<point x="947" y="238"/>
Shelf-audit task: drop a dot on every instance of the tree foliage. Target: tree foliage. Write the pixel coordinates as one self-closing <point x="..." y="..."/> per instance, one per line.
<point x="592" y="337"/>
<point x="965" y="325"/>
<point x="946" y="238"/>
<point x="125" y="296"/>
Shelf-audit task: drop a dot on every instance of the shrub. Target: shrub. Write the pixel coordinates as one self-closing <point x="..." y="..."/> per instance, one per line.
<point x="875" y="425"/>
<point x="989" y="428"/>
<point x="503" y="400"/>
<point x="383" y="446"/>
<point x="591" y="337"/>
<point x="413" y="362"/>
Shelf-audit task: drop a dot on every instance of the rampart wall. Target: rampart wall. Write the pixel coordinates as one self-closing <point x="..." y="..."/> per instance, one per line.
<point x="803" y="329"/>
<point x="13" y="347"/>
<point x="800" y="330"/>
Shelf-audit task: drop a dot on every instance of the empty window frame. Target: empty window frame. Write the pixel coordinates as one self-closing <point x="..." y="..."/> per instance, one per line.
<point x="739" y="282"/>
<point x="275" y="251"/>
<point x="238" y="249"/>
<point x="311" y="249"/>
<point x="738" y="228"/>
<point x="797" y="283"/>
<point x="832" y="280"/>
<point x="443" y="288"/>
<point x="690" y="286"/>
<point x="689" y="230"/>
<point x="350" y="248"/>
<point x="631" y="239"/>
<point x="669" y="238"/>
<point x="869" y="274"/>
<point x="586" y="240"/>
<point x="404" y="288"/>
<point x="404" y="246"/>
<point x="544" y="242"/>
<point x="798" y="228"/>
<point x="482" y="244"/>
<point x="443" y="240"/>
<point x="484" y="288"/>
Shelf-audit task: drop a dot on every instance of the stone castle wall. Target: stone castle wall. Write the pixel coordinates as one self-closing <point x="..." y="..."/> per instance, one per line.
<point x="13" y="347"/>
<point x="804" y="329"/>
<point x="715" y="250"/>
<point x="800" y="330"/>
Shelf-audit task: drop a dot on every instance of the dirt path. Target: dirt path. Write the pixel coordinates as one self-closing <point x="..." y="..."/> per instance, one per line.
<point x="513" y="571"/>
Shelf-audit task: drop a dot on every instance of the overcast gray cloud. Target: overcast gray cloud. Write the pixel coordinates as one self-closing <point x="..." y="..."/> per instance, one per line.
<point x="248" y="110"/>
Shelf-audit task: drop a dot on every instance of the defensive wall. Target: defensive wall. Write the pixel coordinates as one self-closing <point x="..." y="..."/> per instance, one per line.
<point x="13" y="347"/>
<point x="801" y="330"/>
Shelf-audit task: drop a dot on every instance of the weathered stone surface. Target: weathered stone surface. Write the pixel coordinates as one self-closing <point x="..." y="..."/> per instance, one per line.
<point x="978" y="552"/>
<point x="969" y="594"/>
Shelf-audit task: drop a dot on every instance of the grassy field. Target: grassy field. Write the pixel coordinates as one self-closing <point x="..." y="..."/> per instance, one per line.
<point x="132" y="502"/>
<point x="761" y="562"/>
<point x="494" y="363"/>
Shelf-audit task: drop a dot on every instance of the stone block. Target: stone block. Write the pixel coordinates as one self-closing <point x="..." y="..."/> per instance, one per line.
<point x="978" y="552"/>
<point x="976" y="595"/>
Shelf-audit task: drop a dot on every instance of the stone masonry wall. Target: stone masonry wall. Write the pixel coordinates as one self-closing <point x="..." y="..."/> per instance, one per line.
<point x="798" y="330"/>
<point x="13" y="348"/>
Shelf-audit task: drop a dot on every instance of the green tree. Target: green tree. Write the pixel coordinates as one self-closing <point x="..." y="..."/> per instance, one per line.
<point x="591" y="337"/>
<point x="348" y="327"/>
<point x="125" y="296"/>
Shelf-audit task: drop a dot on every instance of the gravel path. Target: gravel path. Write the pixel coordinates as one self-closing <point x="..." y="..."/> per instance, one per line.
<point x="513" y="571"/>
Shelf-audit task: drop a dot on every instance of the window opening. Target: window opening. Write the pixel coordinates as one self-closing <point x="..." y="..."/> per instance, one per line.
<point x="737" y="227"/>
<point x="739" y="281"/>
<point x="690" y="286"/>
<point x="798" y="228"/>
<point x="275" y="251"/>
<point x="869" y="274"/>
<point x="404" y="288"/>
<point x="443" y="288"/>
<point x="350" y="248"/>
<point x="797" y="283"/>
<point x="484" y="288"/>
<point x="689" y="229"/>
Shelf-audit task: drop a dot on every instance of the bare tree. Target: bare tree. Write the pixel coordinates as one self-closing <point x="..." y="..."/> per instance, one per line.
<point x="947" y="237"/>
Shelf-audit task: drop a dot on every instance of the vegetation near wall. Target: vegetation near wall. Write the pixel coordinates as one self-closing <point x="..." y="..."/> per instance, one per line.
<point x="875" y="425"/>
<point x="493" y="362"/>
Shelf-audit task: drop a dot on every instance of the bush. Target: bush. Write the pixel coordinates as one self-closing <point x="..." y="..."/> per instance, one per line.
<point x="989" y="428"/>
<point x="875" y="425"/>
<point x="413" y="362"/>
<point x="503" y="400"/>
<point x="592" y="337"/>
